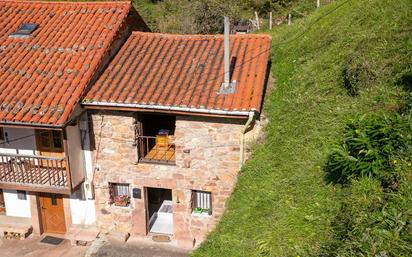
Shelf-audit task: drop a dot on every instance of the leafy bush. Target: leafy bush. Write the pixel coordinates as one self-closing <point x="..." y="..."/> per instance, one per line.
<point x="279" y="6"/>
<point x="376" y="211"/>
<point x="372" y="222"/>
<point x="373" y="146"/>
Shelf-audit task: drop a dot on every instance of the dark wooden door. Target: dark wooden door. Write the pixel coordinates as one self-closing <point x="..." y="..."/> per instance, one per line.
<point x="52" y="213"/>
<point x="2" y="205"/>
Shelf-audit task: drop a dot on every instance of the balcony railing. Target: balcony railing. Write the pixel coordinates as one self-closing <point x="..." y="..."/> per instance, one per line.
<point x="34" y="173"/>
<point x="157" y="149"/>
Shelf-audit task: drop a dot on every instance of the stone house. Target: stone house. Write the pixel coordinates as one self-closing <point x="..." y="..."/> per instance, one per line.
<point x="50" y="52"/>
<point x="102" y="126"/>
<point x="168" y="137"/>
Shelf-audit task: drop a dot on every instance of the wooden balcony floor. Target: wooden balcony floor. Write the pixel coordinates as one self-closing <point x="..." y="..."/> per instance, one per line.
<point x="38" y="176"/>
<point x="161" y="154"/>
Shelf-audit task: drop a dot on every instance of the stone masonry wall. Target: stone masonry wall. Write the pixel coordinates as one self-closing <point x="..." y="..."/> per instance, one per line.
<point x="207" y="158"/>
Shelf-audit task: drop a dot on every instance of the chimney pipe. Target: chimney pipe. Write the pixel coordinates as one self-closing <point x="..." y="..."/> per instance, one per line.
<point x="227" y="53"/>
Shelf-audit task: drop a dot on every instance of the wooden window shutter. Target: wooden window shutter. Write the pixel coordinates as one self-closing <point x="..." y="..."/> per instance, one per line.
<point x="194" y="199"/>
<point x="138" y="130"/>
<point x="1" y="133"/>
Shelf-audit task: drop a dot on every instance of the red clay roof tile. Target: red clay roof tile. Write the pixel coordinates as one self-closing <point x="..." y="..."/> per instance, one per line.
<point x="43" y="76"/>
<point x="184" y="71"/>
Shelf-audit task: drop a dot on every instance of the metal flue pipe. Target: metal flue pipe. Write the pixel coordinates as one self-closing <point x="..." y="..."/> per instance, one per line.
<point x="226" y="80"/>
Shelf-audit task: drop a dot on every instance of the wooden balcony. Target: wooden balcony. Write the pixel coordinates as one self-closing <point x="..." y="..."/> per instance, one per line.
<point x="158" y="149"/>
<point x="34" y="173"/>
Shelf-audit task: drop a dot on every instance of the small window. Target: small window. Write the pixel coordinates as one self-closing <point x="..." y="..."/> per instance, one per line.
<point x="21" y="195"/>
<point x="201" y="202"/>
<point x="53" y="200"/>
<point x="119" y="194"/>
<point x="1" y="133"/>
<point x="25" y="30"/>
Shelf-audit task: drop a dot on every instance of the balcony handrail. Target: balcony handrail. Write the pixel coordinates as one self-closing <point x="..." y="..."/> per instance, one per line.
<point x="33" y="156"/>
<point x="146" y="136"/>
<point x="150" y="150"/>
<point x="172" y="137"/>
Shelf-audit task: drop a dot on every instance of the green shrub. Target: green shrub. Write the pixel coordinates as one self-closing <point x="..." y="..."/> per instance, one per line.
<point x="373" y="146"/>
<point x="373" y="160"/>
<point x="372" y="222"/>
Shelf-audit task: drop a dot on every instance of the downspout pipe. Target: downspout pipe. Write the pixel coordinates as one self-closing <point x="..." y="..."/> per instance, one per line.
<point x="242" y="139"/>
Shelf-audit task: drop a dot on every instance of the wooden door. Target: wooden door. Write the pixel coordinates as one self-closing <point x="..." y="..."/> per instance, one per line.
<point x="49" y="143"/>
<point x="52" y="213"/>
<point x="2" y="204"/>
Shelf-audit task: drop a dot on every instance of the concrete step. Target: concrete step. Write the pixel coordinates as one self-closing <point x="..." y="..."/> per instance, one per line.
<point x="82" y="236"/>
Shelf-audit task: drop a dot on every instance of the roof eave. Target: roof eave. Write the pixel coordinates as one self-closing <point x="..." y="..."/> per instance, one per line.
<point x="30" y="125"/>
<point x="189" y="110"/>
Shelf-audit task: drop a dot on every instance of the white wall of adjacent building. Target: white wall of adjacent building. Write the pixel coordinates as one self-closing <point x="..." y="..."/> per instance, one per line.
<point x="18" y="141"/>
<point x="82" y="211"/>
<point x="82" y="204"/>
<point x="14" y="206"/>
<point x="23" y="141"/>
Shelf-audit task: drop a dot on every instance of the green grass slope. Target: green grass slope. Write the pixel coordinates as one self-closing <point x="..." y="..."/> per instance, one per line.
<point x="282" y="205"/>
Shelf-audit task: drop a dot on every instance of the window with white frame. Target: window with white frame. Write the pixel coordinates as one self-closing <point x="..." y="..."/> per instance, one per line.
<point x="119" y="194"/>
<point x="201" y="202"/>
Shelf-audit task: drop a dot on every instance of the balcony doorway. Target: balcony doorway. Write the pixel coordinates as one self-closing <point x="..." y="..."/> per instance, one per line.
<point x="160" y="210"/>
<point x="50" y="143"/>
<point x="156" y="138"/>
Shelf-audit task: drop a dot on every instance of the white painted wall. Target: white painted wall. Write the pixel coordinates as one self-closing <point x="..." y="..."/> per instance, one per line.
<point x="18" y="141"/>
<point x="14" y="206"/>
<point x="83" y="210"/>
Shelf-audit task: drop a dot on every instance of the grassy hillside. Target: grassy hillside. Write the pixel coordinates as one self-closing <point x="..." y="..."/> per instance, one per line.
<point x="342" y="61"/>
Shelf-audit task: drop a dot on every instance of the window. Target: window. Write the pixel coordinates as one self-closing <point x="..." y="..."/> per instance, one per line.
<point x="53" y="200"/>
<point x="201" y="202"/>
<point x="21" y="195"/>
<point x="119" y="194"/>
<point x="25" y="30"/>
<point x="1" y="133"/>
<point x="49" y="140"/>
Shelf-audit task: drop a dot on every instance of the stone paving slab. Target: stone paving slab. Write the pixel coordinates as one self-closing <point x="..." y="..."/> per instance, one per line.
<point x="31" y="247"/>
<point x="139" y="248"/>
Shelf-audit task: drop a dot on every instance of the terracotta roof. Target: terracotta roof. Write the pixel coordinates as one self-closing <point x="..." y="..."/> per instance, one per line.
<point x="43" y="76"/>
<point x="162" y="71"/>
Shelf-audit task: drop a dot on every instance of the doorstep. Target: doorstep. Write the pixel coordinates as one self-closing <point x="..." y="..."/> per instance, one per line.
<point x="82" y="235"/>
<point x="16" y="227"/>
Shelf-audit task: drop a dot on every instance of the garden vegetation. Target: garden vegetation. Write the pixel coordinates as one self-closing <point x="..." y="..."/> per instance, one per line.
<point x="333" y="177"/>
<point x="205" y="16"/>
